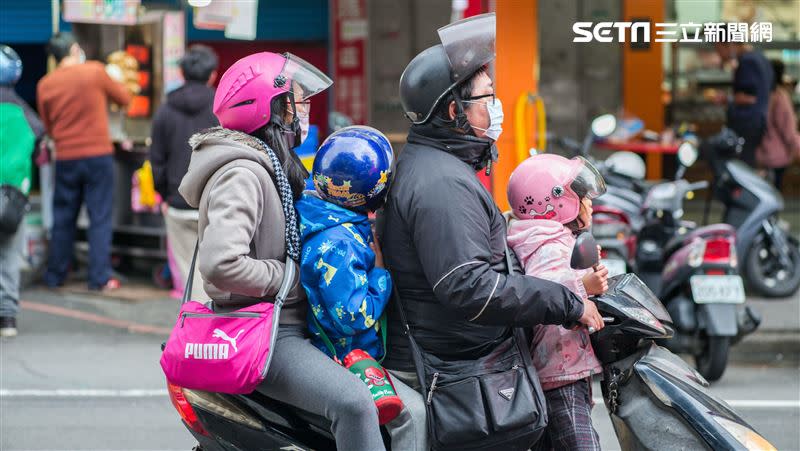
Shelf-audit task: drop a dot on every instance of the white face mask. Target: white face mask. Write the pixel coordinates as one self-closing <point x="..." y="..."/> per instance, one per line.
<point x="303" y="128"/>
<point x="81" y="54"/>
<point x="495" y="119"/>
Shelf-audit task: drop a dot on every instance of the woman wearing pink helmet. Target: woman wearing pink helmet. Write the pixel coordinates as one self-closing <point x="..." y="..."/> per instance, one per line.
<point x="551" y="201"/>
<point x="244" y="178"/>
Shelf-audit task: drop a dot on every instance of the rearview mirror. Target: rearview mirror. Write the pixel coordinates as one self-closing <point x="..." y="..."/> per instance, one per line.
<point x="584" y="254"/>
<point x="687" y="154"/>
<point x="603" y="126"/>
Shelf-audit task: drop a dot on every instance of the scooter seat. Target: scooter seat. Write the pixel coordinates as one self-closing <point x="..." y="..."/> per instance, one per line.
<point x="277" y="412"/>
<point x="679" y="241"/>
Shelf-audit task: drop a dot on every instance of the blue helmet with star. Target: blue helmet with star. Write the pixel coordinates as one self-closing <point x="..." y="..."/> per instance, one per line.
<point x="353" y="168"/>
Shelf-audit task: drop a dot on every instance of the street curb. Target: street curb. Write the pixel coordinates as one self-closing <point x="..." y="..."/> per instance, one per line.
<point x="158" y="313"/>
<point x="761" y="347"/>
<point x="768" y="347"/>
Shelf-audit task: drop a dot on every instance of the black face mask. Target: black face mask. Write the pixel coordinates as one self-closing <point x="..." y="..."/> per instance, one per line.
<point x="292" y="133"/>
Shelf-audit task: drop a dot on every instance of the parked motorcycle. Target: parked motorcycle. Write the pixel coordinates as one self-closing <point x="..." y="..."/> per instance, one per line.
<point x="769" y="257"/>
<point x="695" y="271"/>
<point x="616" y="214"/>
<point x="655" y="400"/>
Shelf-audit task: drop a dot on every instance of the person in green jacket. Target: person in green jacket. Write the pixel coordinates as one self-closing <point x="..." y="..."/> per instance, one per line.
<point x="19" y="129"/>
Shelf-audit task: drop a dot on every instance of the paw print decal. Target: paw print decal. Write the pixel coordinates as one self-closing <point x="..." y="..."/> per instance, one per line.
<point x="529" y="200"/>
<point x="522" y="209"/>
<point x="558" y="191"/>
<point x="547" y="199"/>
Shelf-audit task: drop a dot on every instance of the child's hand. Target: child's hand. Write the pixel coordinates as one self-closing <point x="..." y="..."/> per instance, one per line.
<point x="596" y="282"/>
<point x="376" y="247"/>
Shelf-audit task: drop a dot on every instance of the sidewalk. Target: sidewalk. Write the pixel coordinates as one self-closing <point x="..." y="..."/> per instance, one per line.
<point x="778" y="337"/>
<point x="136" y="302"/>
<point x="776" y="340"/>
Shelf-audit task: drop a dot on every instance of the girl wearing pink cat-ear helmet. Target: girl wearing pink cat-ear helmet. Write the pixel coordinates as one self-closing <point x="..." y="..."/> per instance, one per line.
<point x="548" y="186"/>
<point x="551" y="201"/>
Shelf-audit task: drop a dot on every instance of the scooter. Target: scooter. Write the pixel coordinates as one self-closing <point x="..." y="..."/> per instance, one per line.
<point x="695" y="271"/>
<point x="768" y="255"/>
<point x="655" y="400"/>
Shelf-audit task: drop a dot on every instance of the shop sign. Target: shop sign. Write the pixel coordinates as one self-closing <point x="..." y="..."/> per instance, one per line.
<point x="120" y="12"/>
<point x="244" y="21"/>
<point x="215" y="16"/>
<point x="173" y="49"/>
<point x="349" y="33"/>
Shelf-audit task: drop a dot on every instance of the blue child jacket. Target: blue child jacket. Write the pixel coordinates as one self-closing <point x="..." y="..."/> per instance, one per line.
<point x="346" y="292"/>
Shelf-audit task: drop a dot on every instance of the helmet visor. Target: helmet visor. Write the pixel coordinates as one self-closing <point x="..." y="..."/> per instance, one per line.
<point x="469" y="44"/>
<point x="588" y="182"/>
<point x="306" y="80"/>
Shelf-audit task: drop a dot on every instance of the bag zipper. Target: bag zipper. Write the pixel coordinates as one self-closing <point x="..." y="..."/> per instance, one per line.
<point x="433" y="387"/>
<point x="219" y="315"/>
<point x="436" y="378"/>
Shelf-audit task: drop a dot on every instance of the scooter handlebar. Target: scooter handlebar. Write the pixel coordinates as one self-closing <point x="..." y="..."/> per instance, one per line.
<point x="698" y="185"/>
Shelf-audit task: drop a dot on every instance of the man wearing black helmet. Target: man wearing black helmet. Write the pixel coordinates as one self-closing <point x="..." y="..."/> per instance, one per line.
<point x="443" y="236"/>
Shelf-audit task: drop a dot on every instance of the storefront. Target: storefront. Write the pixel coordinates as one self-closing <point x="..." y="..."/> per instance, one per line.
<point x="155" y="34"/>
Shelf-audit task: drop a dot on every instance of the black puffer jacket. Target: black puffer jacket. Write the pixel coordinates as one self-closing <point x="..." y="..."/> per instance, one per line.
<point x="187" y="111"/>
<point x="443" y="239"/>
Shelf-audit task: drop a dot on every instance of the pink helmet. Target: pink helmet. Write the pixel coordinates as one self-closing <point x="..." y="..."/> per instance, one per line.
<point x="548" y="186"/>
<point x="246" y="89"/>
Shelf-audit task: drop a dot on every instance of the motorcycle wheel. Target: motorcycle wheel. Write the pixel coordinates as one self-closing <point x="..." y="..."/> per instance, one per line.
<point x="711" y="362"/>
<point x="766" y="274"/>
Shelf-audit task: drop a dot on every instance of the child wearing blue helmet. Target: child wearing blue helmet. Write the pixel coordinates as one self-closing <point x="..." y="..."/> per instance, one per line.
<point x="341" y="267"/>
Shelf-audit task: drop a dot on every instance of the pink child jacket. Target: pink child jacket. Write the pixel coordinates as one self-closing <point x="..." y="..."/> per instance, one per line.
<point x="544" y="248"/>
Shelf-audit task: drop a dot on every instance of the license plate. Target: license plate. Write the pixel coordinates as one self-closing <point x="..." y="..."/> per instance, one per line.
<point x="615" y="266"/>
<point x="717" y="289"/>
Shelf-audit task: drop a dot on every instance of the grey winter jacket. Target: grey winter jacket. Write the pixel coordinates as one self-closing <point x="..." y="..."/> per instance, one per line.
<point x="443" y="239"/>
<point x="241" y="226"/>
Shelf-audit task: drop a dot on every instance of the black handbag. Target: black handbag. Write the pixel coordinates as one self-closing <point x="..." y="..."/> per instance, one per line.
<point x="494" y="402"/>
<point x="13" y="205"/>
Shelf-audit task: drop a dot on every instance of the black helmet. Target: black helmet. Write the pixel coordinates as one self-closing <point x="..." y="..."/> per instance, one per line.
<point x="725" y="144"/>
<point x="467" y="45"/>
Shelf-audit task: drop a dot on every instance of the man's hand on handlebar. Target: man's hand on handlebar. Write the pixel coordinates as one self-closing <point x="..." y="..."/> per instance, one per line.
<point x="591" y="318"/>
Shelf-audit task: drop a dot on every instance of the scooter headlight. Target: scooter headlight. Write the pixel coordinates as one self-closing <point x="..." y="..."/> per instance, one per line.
<point x="744" y="435"/>
<point x="645" y="317"/>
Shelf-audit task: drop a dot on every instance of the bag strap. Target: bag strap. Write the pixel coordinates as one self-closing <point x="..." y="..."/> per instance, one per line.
<point x="187" y="290"/>
<point x="329" y="344"/>
<point x="523" y="343"/>
<point x="289" y="272"/>
<point x="416" y="351"/>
